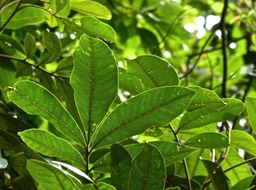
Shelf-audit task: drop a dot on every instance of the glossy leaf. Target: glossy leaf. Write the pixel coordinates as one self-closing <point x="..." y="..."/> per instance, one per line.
<point x="216" y="175"/>
<point x="250" y="104"/>
<point x="50" y="145"/>
<point x="60" y="7"/>
<point x="24" y="17"/>
<point x="91" y="8"/>
<point x="148" y="170"/>
<point x="52" y="47"/>
<point x="154" y="107"/>
<point x="153" y="71"/>
<point x="94" y="80"/>
<point x="29" y="45"/>
<point x="120" y="166"/>
<point x="49" y="177"/>
<point x="208" y="140"/>
<point x="241" y="140"/>
<point x="205" y="116"/>
<point x="36" y="100"/>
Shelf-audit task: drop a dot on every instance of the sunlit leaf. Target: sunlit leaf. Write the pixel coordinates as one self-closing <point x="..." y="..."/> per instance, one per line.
<point x="94" y="80"/>
<point x="36" y="100"/>
<point x="250" y="104"/>
<point x="154" y="107"/>
<point x="50" y="145"/>
<point x="148" y="170"/>
<point x="208" y="140"/>
<point x="49" y="177"/>
<point x="91" y="8"/>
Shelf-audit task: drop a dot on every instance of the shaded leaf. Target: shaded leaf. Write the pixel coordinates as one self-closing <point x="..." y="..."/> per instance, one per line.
<point x="250" y="104"/>
<point x="120" y="166"/>
<point x="36" y="100"/>
<point x="99" y="186"/>
<point x="148" y="170"/>
<point x="246" y="183"/>
<point x="208" y="140"/>
<point x="91" y="8"/>
<point x="50" y="145"/>
<point x="205" y="116"/>
<point x="154" y="107"/>
<point x="94" y="80"/>
<point x="65" y="67"/>
<point x="29" y="45"/>
<point x="216" y="175"/>
<point x="49" y="177"/>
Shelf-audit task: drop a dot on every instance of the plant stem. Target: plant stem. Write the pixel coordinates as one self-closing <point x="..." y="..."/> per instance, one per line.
<point x="183" y="160"/>
<point x="224" y="47"/>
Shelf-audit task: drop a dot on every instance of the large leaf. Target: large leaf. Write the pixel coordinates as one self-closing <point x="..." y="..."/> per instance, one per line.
<point x="148" y="170"/>
<point x="91" y="8"/>
<point x="90" y="26"/>
<point x="36" y="100"/>
<point x="50" y="145"/>
<point x="206" y="115"/>
<point x="94" y="80"/>
<point x="120" y="166"/>
<point x="49" y="177"/>
<point x="216" y="175"/>
<point x="154" y="107"/>
<point x="153" y="71"/>
<point x="251" y="110"/>
<point x="24" y="17"/>
<point x="208" y="140"/>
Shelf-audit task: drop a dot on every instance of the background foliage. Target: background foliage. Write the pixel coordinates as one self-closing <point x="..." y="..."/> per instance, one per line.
<point x="145" y="94"/>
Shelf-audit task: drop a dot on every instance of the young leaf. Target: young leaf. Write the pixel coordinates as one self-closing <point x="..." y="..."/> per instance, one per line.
<point x="153" y="71"/>
<point x="94" y="80"/>
<point x="216" y="175"/>
<point x="36" y="100"/>
<point x="91" y="8"/>
<point x="148" y="170"/>
<point x="154" y="107"/>
<point x="208" y="140"/>
<point x="205" y="116"/>
<point x="50" y="145"/>
<point x="49" y="177"/>
<point x="250" y="104"/>
<point x="120" y="166"/>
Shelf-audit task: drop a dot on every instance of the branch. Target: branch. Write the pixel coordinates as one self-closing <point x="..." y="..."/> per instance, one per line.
<point x="224" y="48"/>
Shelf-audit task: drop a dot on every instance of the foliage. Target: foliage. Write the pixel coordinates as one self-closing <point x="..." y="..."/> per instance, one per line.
<point x="127" y="95"/>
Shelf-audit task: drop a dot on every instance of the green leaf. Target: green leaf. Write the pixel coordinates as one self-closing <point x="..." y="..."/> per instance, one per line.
<point x="60" y="7"/>
<point x="99" y="186"/>
<point x="29" y="45"/>
<point x="91" y="8"/>
<point x="92" y="27"/>
<point x="153" y="71"/>
<point x="36" y="100"/>
<point x="171" y="151"/>
<point x="65" y="67"/>
<point x="52" y="47"/>
<point x="24" y="17"/>
<point x="250" y="104"/>
<point x="216" y="175"/>
<point x="120" y="166"/>
<point x="208" y="140"/>
<point x="148" y="170"/>
<point x="50" y="145"/>
<point x="11" y="46"/>
<point x="241" y="140"/>
<point x="245" y="183"/>
<point x="49" y="177"/>
<point x="154" y="107"/>
<point x="94" y="80"/>
<point x="205" y="116"/>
